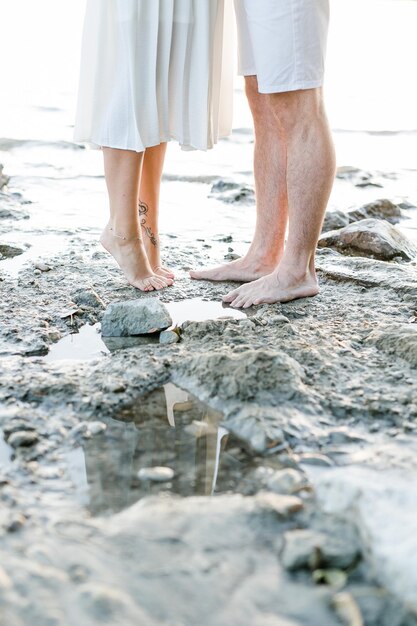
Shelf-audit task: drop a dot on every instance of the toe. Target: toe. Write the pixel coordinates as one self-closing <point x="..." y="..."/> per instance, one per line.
<point x="238" y="302"/>
<point x="229" y="297"/>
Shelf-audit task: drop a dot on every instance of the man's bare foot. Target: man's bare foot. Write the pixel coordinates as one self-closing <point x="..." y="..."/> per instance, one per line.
<point x="242" y="270"/>
<point x="131" y="257"/>
<point x="280" y="286"/>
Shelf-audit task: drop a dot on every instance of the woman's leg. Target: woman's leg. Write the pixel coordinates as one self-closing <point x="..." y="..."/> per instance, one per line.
<point x="122" y="236"/>
<point x="150" y="186"/>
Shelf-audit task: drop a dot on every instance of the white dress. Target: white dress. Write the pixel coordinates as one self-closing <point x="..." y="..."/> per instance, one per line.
<point x="155" y="70"/>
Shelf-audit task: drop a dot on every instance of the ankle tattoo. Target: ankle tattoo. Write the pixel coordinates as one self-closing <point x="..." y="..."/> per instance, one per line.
<point x="143" y="212"/>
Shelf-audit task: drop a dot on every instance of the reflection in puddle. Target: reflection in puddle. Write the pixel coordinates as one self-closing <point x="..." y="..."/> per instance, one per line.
<point x="85" y="345"/>
<point x="88" y="344"/>
<point x="199" y="310"/>
<point x="5" y="453"/>
<point x="168" y="428"/>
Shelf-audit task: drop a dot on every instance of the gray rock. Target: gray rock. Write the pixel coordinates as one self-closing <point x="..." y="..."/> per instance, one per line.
<point x="41" y="266"/>
<point x="371" y="237"/>
<point x="135" y="317"/>
<point x="334" y="220"/>
<point x="380" y="209"/>
<point x="87" y="298"/>
<point x="156" y="474"/>
<point x="310" y="549"/>
<point x="168" y="337"/>
<point x="4" y="180"/>
<point x="320" y="460"/>
<point x="396" y="339"/>
<point x="233" y="192"/>
<point x="283" y="506"/>
<point x="23" y="439"/>
<point x="287" y="481"/>
<point x="8" y="251"/>
<point x="368" y="272"/>
<point x="257" y="427"/>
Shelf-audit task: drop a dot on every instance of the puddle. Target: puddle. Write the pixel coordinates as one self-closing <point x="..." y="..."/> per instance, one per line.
<point x="168" y="428"/>
<point x="88" y="344"/>
<point x="85" y="345"/>
<point x="6" y="453"/>
<point x="199" y="310"/>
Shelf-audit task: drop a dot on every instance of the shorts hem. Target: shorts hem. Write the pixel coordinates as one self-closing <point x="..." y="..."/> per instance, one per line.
<point x="299" y="86"/>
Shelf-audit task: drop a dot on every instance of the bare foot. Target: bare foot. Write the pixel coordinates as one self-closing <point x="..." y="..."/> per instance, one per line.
<point x="242" y="270"/>
<point x="152" y="244"/>
<point x="133" y="261"/>
<point x="280" y="286"/>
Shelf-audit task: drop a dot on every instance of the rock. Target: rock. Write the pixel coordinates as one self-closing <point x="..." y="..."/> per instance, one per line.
<point x="156" y="474"/>
<point x="41" y="266"/>
<point x="95" y="428"/>
<point x="334" y="220"/>
<point x="380" y="209"/>
<point x="344" y="435"/>
<point x="347" y="610"/>
<point x="368" y="272"/>
<point x="269" y="376"/>
<point x="396" y="339"/>
<point x="233" y="192"/>
<point x="135" y="317"/>
<point x="8" y="251"/>
<point x="312" y="550"/>
<point x="4" y="180"/>
<point x="87" y="298"/>
<point x="286" y="481"/>
<point x="284" y="506"/>
<point x="311" y="458"/>
<point x="371" y="237"/>
<point x="23" y="439"/>
<point x="257" y="427"/>
<point x="168" y="337"/>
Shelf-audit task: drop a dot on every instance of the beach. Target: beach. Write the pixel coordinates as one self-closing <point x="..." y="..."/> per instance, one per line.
<point x="260" y="469"/>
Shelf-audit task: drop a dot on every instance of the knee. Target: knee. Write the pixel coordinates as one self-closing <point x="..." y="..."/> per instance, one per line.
<point x="295" y="109"/>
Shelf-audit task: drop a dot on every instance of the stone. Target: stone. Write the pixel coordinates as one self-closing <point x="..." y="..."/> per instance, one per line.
<point x="287" y="481"/>
<point x="95" y="428"/>
<point x="8" y="251"/>
<point x="396" y="339"/>
<point x="283" y="506"/>
<point x="156" y="474"/>
<point x="370" y="237"/>
<point x="168" y="337"/>
<point x="257" y="427"/>
<point x="368" y="272"/>
<point x="310" y="549"/>
<point x="380" y="209"/>
<point x="312" y="458"/>
<point x="334" y="220"/>
<point x="41" y="266"/>
<point x="23" y="439"/>
<point x="87" y="298"/>
<point x="347" y="610"/>
<point x="135" y="317"/>
<point x="233" y="192"/>
<point x="4" y="180"/>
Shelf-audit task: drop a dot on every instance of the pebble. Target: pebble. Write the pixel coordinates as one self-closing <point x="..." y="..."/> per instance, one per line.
<point x="156" y="474"/>
<point x="286" y="481"/>
<point x="310" y="458"/>
<point x="284" y="506"/>
<point x="168" y="337"/>
<point x="42" y="267"/>
<point x="95" y="428"/>
<point x="23" y="439"/>
<point x="347" y="610"/>
<point x="310" y="549"/>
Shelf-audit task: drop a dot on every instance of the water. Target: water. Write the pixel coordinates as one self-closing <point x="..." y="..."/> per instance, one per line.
<point x="169" y="428"/>
<point x="88" y="344"/>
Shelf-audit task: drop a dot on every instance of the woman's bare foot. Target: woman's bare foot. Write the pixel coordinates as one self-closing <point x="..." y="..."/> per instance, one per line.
<point x="152" y="244"/>
<point x="131" y="256"/>
<point x="280" y="286"/>
<point x="244" y="270"/>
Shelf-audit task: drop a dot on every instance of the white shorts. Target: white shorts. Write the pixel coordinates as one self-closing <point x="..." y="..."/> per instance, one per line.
<point x="283" y="42"/>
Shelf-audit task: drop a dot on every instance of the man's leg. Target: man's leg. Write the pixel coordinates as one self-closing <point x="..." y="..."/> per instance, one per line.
<point x="301" y="118"/>
<point x="271" y="197"/>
